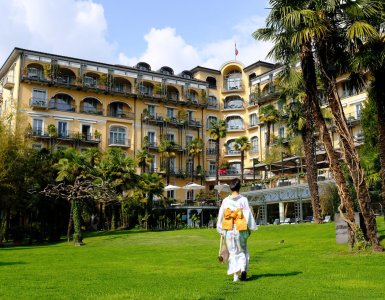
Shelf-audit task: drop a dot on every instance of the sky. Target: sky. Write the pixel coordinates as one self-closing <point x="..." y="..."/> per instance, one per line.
<point x="176" y="33"/>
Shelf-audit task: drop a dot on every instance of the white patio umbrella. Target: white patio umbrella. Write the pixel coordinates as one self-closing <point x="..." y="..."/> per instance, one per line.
<point x="193" y="186"/>
<point x="171" y="187"/>
<point x="222" y="187"/>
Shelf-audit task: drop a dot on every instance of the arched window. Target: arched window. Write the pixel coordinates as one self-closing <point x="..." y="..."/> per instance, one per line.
<point x="234" y="168"/>
<point x="91" y="106"/>
<point x="254" y="144"/>
<point x="233" y="102"/>
<point x="233" y="80"/>
<point x="118" y="136"/>
<point x="212" y="82"/>
<point x="212" y="102"/>
<point x="210" y="120"/>
<point x="146" y="89"/>
<point x="234" y="123"/>
<point x="211" y="147"/>
<point x="62" y="102"/>
<point x="231" y="149"/>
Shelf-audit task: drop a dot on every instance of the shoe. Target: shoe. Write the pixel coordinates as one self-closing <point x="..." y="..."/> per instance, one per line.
<point x="236" y="278"/>
<point x="243" y="276"/>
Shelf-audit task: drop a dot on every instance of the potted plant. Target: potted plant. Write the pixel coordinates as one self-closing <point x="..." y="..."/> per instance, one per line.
<point x="52" y="131"/>
<point x="97" y="135"/>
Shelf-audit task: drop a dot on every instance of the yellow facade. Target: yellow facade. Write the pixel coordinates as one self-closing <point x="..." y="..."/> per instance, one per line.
<point x="94" y="104"/>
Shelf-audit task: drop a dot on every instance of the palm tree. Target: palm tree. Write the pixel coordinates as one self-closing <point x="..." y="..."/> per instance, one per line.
<point x="345" y="25"/>
<point x="370" y="56"/>
<point x="269" y="115"/>
<point x="167" y="149"/>
<point x="217" y="131"/>
<point x="144" y="158"/>
<point x="194" y="149"/>
<point x="291" y="86"/>
<point x="243" y="144"/>
<point x="292" y="26"/>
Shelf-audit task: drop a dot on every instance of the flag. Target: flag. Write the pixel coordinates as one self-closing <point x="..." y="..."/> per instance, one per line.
<point x="236" y="50"/>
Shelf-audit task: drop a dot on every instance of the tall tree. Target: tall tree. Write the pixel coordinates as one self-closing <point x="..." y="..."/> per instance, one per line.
<point x="345" y="23"/>
<point x="243" y="144"/>
<point x="144" y="159"/>
<point x="292" y="27"/>
<point x="217" y="131"/>
<point x="269" y="115"/>
<point x="194" y="150"/>
<point x="167" y="148"/>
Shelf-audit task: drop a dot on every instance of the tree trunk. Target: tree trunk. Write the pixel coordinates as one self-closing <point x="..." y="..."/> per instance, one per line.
<point x="308" y="70"/>
<point x="379" y="92"/>
<point x="70" y="219"/>
<point x="242" y="164"/>
<point x="78" y="240"/>
<point x="192" y="168"/>
<point x="217" y="162"/>
<point x="311" y="164"/>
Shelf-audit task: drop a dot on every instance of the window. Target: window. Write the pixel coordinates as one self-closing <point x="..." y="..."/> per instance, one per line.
<point x="189" y="166"/>
<point x="190" y="195"/>
<point x="234" y="169"/>
<point x="210" y="120"/>
<point x="189" y="139"/>
<point x="254" y="144"/>
<point x="117" y="136"/>
<point x="234" y="123"/>
<point x="61" y="102"/>
<point x="151" y="110"/>
<point x="170" y="112"/>
<point x="151" y="137"/>
<point x="170" y="137"/>
<point x="37" y="127"/>
<point x="231" y="149"/>
<point x="171" y="194"/>
<point x="212" y="102"/>
<point x="253" y="120"/>
<point x="145" y="89"/>
<point x="281" y="132"/>
<point x="233" y="102"/>
<point x="89" y="81"/>
<point x="39" y="97"/>
<point x="37" y="146"/>
<point x="212" y="168"/>
<point x="153" y="164"/>
<point x="90" y="105"/>
<point x="190" y="115"/>
<point x="34" y="73"/>
<point x="358" y="110"/>
<point x="86" y="131"/>
<point x="233" y="80"/>
<point x="62" y="129"/>
<point x="172" y="165"/>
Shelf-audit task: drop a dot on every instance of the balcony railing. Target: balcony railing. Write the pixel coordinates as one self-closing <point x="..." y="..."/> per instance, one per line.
<point x="119" y="142"/>
<point x="235" y="127"/>
<point x="92" y="111"/>
<point x="121" y="89"/>
<point x="212" y="105"/>
<point x="229" y="105"/>
<point x="122" y="115"/>
<point x="39" y="133"/>
<point x="38" y="102"/>
<point x="233" y="85"/>
<point x="233" y="152"/>
<point x="63" y="107"/>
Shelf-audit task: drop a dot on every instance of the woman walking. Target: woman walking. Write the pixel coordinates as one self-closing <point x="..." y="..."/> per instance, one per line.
<point x="235" y="221"/>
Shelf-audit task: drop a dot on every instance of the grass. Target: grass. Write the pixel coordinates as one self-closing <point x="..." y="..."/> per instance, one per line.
<point x="183" y="265"/>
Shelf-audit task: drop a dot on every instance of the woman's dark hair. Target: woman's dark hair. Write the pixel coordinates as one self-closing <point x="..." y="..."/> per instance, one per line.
<point x="235" y="185"/>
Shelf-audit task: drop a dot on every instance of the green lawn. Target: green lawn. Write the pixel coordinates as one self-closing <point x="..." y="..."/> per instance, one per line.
<point x="183" y="265"/>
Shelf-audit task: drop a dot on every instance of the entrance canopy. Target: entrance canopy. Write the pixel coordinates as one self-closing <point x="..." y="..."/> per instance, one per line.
<point x="291" y="193"/>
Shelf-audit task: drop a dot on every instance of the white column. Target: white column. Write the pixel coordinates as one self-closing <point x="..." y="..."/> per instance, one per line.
<point x="281" y="211"/>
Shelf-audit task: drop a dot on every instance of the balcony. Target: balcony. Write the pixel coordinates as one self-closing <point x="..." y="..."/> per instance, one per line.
<point x="194" y="123"/>
<point x="8" y="82"/>
<point x="233" y="106"/>
<point x="233" y="152"/>
<point x="39" y="133"/>
<point x="124" y="90"/>
<point x="67" y="81"/>
<point x="235" y="128"/>
<point x="126" y="115"/>
<point x="212" y="105"/>
<point x="91" y="111"/>
<point x="120" y="142"/>
<point x="38" y="103"/>
<point x="233" y="85"/>
<point x="262" y="97"/>
<point x="152" y="145"/>
<point x="63" y="107"/>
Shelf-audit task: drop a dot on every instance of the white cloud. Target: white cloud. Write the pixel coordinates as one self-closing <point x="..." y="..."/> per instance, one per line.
<point x="166" y="47"/>
<point x="67" y="27"/>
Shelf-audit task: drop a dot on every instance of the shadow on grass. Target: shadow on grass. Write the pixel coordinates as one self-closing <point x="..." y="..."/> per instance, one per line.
<point x="11" y="263"/>
<point x="112" y="232"/>
<point x="256" y="277"/>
